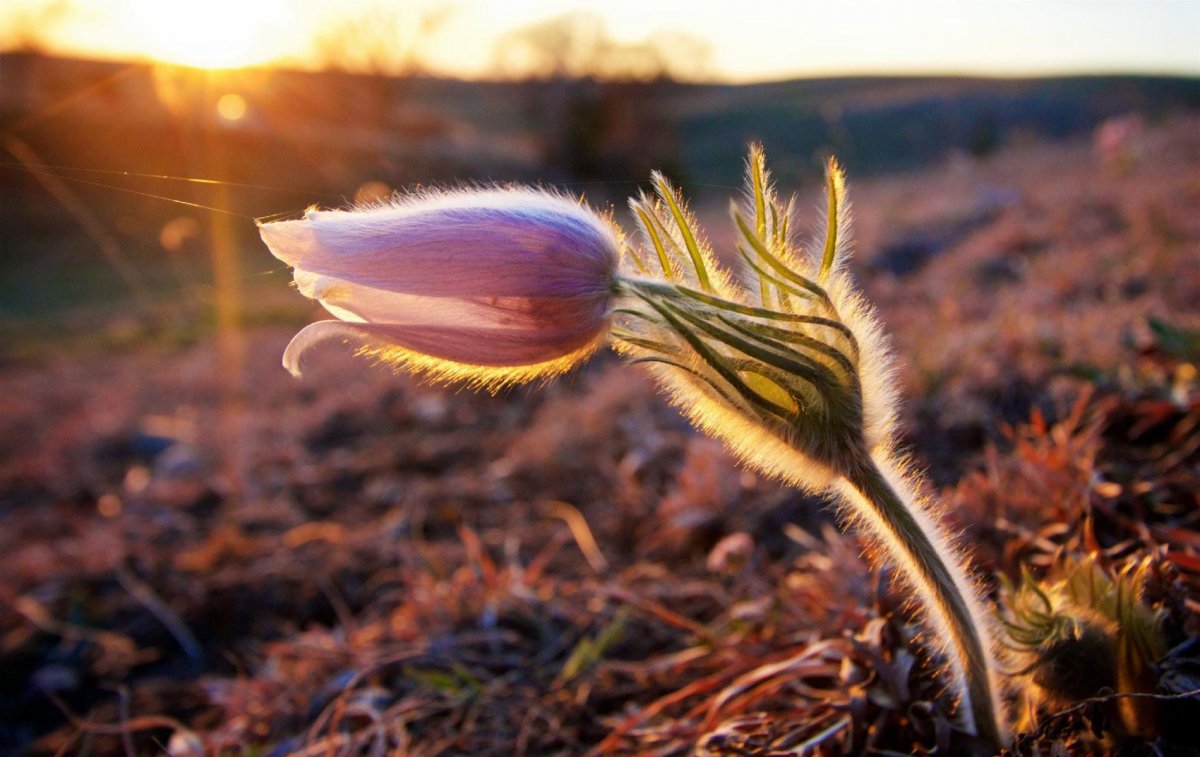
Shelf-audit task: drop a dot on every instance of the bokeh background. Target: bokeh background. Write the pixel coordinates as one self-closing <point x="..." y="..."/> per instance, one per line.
<point x="202" y="553"/>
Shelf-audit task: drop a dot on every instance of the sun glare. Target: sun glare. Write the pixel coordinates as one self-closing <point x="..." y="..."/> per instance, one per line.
<point x="231" y="107"/>
<point x="210" y="34"/>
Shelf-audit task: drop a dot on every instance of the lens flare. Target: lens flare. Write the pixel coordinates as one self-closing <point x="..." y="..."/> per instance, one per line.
<point x="231" y="107"/>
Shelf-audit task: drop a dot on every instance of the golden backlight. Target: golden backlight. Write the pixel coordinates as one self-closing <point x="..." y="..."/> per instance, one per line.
<point x="209" y="34"/>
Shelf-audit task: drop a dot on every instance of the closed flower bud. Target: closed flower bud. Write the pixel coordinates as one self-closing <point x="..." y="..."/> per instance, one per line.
<point x="489" y="286"/>
<point x="1084" y="630"/>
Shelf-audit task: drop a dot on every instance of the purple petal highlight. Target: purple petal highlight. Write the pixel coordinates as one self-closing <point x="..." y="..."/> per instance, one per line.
<point x="353" y="302"/>
<point x="506" y="243"/>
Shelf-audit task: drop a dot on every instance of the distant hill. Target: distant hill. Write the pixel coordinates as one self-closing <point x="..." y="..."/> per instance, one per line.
<point x="352" y="127"/>
<point x="880" y="124"/>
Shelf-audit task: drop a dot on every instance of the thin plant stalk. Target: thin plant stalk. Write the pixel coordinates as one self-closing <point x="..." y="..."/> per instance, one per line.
<point x="893" y="521"/>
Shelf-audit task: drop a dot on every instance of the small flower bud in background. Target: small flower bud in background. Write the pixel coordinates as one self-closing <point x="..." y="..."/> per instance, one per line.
<point x="1082" y="631"/>
<point x="489" y="286"/>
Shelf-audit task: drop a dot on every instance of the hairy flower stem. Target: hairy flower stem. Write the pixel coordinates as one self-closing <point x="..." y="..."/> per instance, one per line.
<point x="908" y="541"/>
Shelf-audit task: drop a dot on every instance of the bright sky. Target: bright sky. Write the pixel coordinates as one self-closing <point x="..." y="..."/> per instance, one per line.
<point x="751" y="39"/>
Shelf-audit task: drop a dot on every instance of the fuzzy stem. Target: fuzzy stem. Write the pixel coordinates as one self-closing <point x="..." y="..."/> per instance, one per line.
<point x="925" y="565"/>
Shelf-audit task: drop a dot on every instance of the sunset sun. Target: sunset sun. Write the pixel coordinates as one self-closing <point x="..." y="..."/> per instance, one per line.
<point x="214" y="34"/>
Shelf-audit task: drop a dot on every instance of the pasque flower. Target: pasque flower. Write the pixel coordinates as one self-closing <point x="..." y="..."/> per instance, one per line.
<point x="484" y="286"/>
<point x="787" y="364"/>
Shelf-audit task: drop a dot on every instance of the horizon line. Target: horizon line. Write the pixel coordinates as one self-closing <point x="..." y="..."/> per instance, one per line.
<point x="291" y="66"/>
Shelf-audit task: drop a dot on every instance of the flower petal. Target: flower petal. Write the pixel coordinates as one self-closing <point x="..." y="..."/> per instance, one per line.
<point x="315" y="333"/>
<point x="356" y="303"/>
<point x="489" y="347"/>
<point x="505" y="243"/>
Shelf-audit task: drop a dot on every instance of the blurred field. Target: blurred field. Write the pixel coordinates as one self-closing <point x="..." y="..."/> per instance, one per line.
<point x="201" y="553"/>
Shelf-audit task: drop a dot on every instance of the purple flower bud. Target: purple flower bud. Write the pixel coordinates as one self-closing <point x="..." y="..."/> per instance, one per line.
<point x="489" y="286"/>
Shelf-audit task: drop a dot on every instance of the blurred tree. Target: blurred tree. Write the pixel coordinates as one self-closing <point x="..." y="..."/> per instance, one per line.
<point x="597" y="103"/>
<point x="565" y="47"/>
<point x="382" y="38"/>
<point x="681" y="56"/>
<point x="26" y="29"/>
<point x="577" y="45"/>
